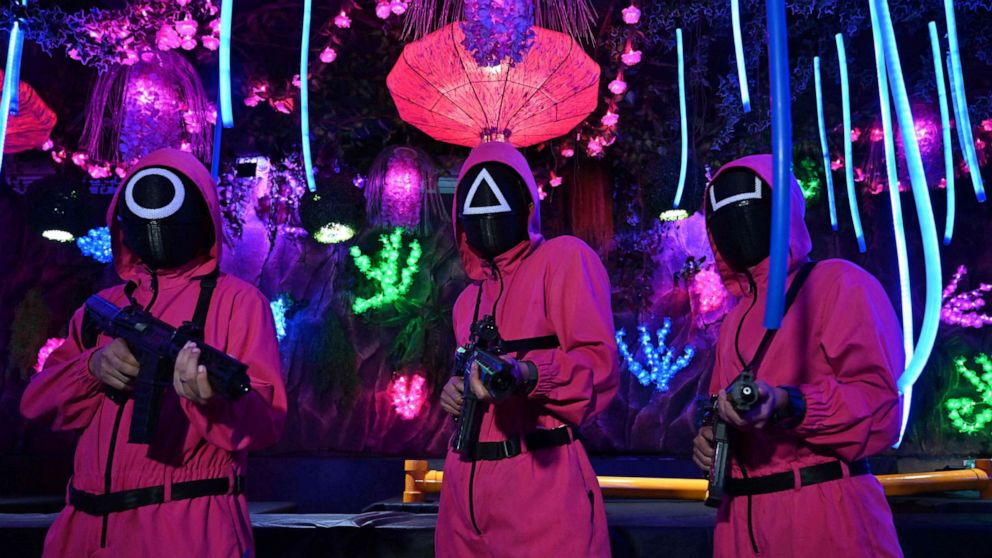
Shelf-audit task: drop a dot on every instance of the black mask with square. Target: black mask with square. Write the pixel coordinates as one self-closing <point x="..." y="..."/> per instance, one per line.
<point x="739" y="218"/>
<point x="493" y="205"/>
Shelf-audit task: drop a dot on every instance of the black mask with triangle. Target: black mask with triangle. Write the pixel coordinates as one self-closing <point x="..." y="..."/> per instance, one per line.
<point x="493" y="204"/>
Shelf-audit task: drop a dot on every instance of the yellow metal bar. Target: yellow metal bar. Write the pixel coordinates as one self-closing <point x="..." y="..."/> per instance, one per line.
<point x="415" y="471"/>
<point x="978" y="478"/>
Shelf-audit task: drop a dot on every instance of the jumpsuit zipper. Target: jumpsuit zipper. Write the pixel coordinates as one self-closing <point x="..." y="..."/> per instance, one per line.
<point x="117" y="425"/>
<point x="471" y="499"/>
<point x="750" y="524"/>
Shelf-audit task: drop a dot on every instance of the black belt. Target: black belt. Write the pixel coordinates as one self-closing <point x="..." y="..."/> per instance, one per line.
<point x="778" y="482"/>
<point x="103" y="504"/>
<point x="511" y="447"/>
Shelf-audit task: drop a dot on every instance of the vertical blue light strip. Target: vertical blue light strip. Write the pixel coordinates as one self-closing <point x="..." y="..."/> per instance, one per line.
<point x="924" y="213"/>
<point x="735" y="15"/>
<point x="945" y="125"/>
<point x="781" y="111"/>
<point x="15" y="93"/>
<point x="957" y="113"/>
<point x="960" y="101"/>
<point x="226" y="109"/>
<point x="682" y="117"/>
<point x="845" y="93"/>
<point x="823" y="144"/>
<point x="11" y="71"/>
<point x="892" y="178"/>
<point x="305" y="96"/>
<point x="215" y="152"/>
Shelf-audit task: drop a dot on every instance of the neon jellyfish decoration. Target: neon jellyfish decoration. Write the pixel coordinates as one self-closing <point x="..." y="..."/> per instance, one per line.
<point x="407" y="394"/>
<point x="46" y="350"/>
<point x="401" y="191"/>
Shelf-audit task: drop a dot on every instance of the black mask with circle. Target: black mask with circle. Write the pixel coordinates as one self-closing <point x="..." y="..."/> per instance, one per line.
<point x="164" y="218"/>
<point x="494" y="205"/>
<point x="739" y="218"/>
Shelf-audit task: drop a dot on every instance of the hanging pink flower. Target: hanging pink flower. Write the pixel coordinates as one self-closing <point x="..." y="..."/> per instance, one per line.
<point x="58" y="156"/>
<point x="610" y="119"/>
<point x="837" y="164"/>
<point x="74" y="54"/>
<point x="284" y="106"/>
<point x="214" y="26"/>
<point x="210" y="42"/>
<point x="618" y="86"/>
<point x="252" y="100"/>
<point x="383" y="10"/>
<point x="876" y="188"/>
<point x="859" y="175"/>
<point x="631" y="15"/>
<point x="189" y="43"/>
<point x="555" y="180"/>
<point x="120" y="172"/>
<point x="186" y="27"/>
<point x="342" y="20"/>
<point x="877" y="135"/>
<point x="942" y="184"/>
<point x="166" y="38"/>
<point x="541" y="193"/>
<point x="979" y="144"/>
<point x="398" y="7"/>
<point x="79" y="158"/>
<point x="567" y="152"/>
<point x="987" y="125"/>
<point x="855" y="134"/>
<point x="47" y="145"/>
<point x="595" y="147"/>
<point x="328" y="55"/>
<point x="296" y="81"/>
<point x="631" y="57"/>
<point x="185" y="146"/>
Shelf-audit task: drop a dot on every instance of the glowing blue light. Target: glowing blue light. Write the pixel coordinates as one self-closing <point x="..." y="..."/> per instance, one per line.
<point x="226" y="109"/>
<point x="945" y="124"/>
<point x="279" y="307"/>
<point x="924" y="213"/>
<point x="823" y="144"/>
<point x="961" y="102"/>
<point x="215" y="153"/>
<point x="96" y="244"/>
<point x="662" y="364"/>
<point x="685" y="127"/>
<point x="845" y="93"/>
<point x="895" y="204"/>
<point x="735" y="16"/>
<point x="10" y="80"/>
<point x="781" y="109"/>
<point x="305" y="96"/>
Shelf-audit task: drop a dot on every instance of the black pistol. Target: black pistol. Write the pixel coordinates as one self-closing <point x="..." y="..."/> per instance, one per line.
<point x="743" y="395"/>
<point x="156" y="345"/>
<point x="496" y="375"/>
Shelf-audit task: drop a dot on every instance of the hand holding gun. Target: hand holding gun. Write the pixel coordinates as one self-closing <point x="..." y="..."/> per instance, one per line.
<point x="743" y="395"/>
<point x="156" y="345"/>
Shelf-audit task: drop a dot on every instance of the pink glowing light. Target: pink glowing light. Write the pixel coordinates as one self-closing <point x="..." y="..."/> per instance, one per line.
<point x="382" y="10"/>
<point x="987" y="125"/>
<point x="189" y="43"/>
<point x="610" y="119"/>
<point x="876" y="188"/>
<point x="342" y="20"/>
<point x="167" y="38"/>
<point x="594" y="147"/>
<point x="963" y="309"/>
<point x="837" y="163"/>
<point x="942" y="184"/>
<point x="618" y="86"/>
<point x="408" y="394"/>
<point x="48" y="145"/>
<point x="631" y="57"/>
<point x="398" y="7"/>
<point x="859" y="175"/>
<point x="877" y="135"/>
<point x="541" y="194"/>
<point x="328" y="55"/>
<point x="555" y="180"/>
<point x="707" y="290"/>
<point x="567" y="152"/>
<point x="631" y="15"/>
<point x="186" y="27"/>
<point x="210" y="42"/>
<point x="253" y="100"/>
<point x="46" y="350"/>
<point x="855" y="134"/>
<point x="79" y="158"/>
<point x="284" y="106"/>
<point x="401" y="197"/>
<point x="296" y="81"/>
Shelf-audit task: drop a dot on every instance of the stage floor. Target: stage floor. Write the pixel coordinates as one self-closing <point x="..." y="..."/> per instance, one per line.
<point x="953" y="524"/>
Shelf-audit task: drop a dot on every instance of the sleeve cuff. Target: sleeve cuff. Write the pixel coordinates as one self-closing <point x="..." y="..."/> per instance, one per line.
<point x="817" y="410"/>
<point x="547" y="374"/>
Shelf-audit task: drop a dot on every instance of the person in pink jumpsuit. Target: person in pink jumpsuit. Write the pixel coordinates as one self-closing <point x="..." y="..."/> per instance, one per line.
<point x="827" y="389"/>
<point x="544" y="499"/>
<point x="200" y="436"/>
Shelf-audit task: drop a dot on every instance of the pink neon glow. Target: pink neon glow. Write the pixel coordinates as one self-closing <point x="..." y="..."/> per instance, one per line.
<point x="382" y="10"/>
<point x="408" y="393"/>
<point x="631" y="57"/>
<point x="610" y="118"/>
<point x="837" y="163"/>
<point x="401" y="198"/>
<point x="567" y="152"/>
<point x="877" y="134"/>
<point x="186" y="27"/>
<point x="398" y="7"/>
<point x="46" y="350"/>
<point x="210" y="42"/>
<point x="707" y="290"/>
<point x="328" y="55"/>
<point x="342" y="20"/>
<point x="47" y="145"/>
<point x="631" y="15"/>
<point x="963" y="309"/>
<point x="555" y="180"/>
<point x="79" y="158"/>
<point x="618" y="86"/>
<point x="855" y="134"/>
<point x="595" y="147"/>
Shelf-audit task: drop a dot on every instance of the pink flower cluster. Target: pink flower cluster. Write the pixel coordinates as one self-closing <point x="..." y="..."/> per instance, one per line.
<point x="963" y="308"/>
<point x="408" y="394"/>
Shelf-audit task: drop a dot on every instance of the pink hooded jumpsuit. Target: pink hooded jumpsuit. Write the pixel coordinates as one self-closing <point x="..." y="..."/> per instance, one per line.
<point x="840" y="344"/>
<point x="546" y="502"/>
<point x="194" y="442"/>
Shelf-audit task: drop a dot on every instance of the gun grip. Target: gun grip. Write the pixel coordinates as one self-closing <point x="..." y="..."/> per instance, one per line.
<point x="153" y="373"/>
<point x="717" y="488"/>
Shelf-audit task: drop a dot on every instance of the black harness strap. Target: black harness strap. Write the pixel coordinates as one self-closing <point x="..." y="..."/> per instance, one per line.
<point x="207" y="285"/>
<point x="521" y="346"/>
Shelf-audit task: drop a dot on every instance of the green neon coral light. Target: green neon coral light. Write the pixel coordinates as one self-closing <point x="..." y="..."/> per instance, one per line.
<point x="393" y="282"/>
<point x="971" y="416"/>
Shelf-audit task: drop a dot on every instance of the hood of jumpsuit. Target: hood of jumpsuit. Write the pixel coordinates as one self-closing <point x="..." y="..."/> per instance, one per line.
<point x="500" y="152"/>
<point x="800" y="244"/>
<point x="128" y="266"/>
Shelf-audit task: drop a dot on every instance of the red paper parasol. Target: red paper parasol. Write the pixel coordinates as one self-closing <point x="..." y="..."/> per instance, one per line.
<point x="32" y="124"/>
<point x="438" y="88"/>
